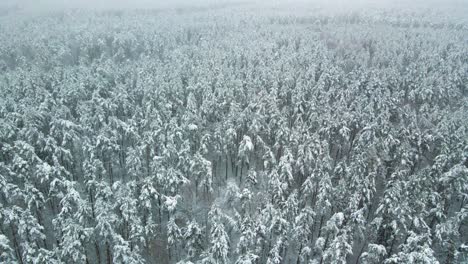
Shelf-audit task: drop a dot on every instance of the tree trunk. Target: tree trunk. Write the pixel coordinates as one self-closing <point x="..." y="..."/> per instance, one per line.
<point x="109" y="255"/>
<point x="98" y="253"/>
<point x="298" y="261"/>
<point x="15" y="244"/>
<point x="360" y="253"/>
<point x="227" y="165"/>
<point x="320" y="227"/>
<point x="240" y="176"/>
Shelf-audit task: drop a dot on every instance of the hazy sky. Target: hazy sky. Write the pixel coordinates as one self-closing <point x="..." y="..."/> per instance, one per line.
<point x="172" y="3"/>
<point x="455" y="7"/>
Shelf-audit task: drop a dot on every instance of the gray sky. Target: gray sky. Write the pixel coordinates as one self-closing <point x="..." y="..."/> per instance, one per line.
<point x="458" y="8"/>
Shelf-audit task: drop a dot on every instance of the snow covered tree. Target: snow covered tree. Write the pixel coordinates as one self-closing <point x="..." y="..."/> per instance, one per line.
<point x="193" y="240"/>
<point x="218" y="250"/>
<point x="416" y="249"/>
<point x="8" y="255"/>
<point x="374" y="254"/>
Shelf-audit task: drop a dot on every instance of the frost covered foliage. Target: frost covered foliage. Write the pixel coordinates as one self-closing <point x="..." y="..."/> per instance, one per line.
<point x="229" y="135"/>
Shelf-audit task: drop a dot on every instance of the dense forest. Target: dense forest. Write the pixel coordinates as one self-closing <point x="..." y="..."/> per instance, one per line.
<point x="233" y="134"/>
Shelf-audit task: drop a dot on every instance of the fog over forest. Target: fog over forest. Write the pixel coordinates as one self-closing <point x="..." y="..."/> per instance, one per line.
<point x="234" y="131"/>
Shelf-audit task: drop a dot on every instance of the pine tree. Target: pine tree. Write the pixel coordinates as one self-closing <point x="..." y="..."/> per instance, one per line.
<point x="417" y="248"/>
<point x="374" y="254"/>
<point x="174" y="234"/>
<point x="8" y="255"/>
<point x="219" y="239"/>
<point x="193" y="240"/>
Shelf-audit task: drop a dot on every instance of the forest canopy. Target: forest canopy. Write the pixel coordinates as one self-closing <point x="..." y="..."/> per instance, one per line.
<point x="233" y="132"/>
